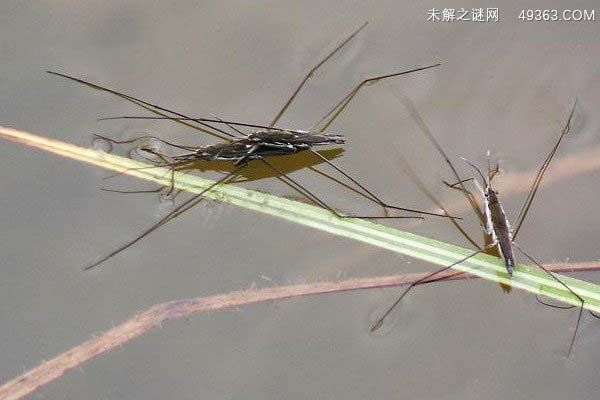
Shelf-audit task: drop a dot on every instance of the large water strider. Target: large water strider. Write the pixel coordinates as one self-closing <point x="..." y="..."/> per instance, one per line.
<point x="268" y="140"/>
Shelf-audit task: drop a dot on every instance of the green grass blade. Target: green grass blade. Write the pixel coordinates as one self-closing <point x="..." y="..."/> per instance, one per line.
<point x="426" y="249"/>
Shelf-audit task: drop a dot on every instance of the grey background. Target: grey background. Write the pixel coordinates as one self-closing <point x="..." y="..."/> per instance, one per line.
<point x="504" y="86"/>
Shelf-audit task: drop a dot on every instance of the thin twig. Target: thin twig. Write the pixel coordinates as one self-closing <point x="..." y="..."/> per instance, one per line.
<point x="50" y="370"/>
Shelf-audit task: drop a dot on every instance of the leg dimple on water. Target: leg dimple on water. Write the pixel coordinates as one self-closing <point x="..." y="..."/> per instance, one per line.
<point x="101" y="144"/>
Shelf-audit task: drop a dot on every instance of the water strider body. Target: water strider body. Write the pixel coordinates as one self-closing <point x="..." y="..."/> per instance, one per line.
<point x="496" y="223"/>
<point x="501" y="229"/>
<point x="260" y="144"/>
<point x="265" y="141"/>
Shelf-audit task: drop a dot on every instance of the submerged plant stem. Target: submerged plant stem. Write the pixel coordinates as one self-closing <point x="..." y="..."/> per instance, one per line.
<point x="136" y="326"/>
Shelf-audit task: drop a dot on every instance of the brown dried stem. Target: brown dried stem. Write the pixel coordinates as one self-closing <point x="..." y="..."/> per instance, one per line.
<point x="138" y="325"/>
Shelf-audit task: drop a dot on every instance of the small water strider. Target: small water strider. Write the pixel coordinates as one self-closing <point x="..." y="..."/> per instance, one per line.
<point x="267" y="141"/>
<point x="497" y="229"/>
<point x="496" y="223"/>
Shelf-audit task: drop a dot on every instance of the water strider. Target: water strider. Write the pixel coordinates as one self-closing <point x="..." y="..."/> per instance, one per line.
<point x="499" y="234"/>
<point x="265" y="141"/>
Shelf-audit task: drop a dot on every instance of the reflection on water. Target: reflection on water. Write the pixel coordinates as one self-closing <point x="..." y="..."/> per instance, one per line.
<point x="257" y="170"/>
<point x="253" y="171"/>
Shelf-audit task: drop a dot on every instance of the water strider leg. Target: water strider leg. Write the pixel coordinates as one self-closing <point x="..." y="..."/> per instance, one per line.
<point x="169" y="165"/>
<point x="370" y="195"/>
<point x="481" y="212"/>
<point x="229" y="123"/>
<point x="456" y="185"/>
<point x="540" y="174"/>
<point x="416" y="116"/>
<point x="427" y="132"/>
<point x="472" y="198"/>
<point x="347" y="185"/>
<point x="338" y="181"/>
<point x="169" y="195"/>
<point x="312" y="197"/>
<point x="310" y="74"/>
<point x="171" y="215"/>
<point x="565" y="307"/>
<point x="133" y="140"/>
<point x="553" y="276"/>
<point x="165" y="161"/>
<point x="425" y="279"/>
<point x="295" y="186"/>
<point x="339" y="107"/>
<point x="526" y="206"/>
<point x="156" y="190"/>
<point x="231" y="126"/>
<point x="484" y="220"/>
<point x="423" y="188"/>
<point x="156" y="109"/>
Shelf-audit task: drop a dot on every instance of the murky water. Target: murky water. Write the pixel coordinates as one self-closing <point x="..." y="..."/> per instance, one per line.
<point x="504" y="86"/>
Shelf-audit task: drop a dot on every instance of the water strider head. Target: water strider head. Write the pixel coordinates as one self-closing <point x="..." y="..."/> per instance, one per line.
<point x="324" y="138"/>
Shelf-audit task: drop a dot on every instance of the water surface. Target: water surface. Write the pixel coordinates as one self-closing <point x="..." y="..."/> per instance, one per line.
<point x="504" y="86"/>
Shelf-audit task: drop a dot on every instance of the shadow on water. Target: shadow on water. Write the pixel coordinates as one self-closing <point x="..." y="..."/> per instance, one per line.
<point x="256" y="170"/>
